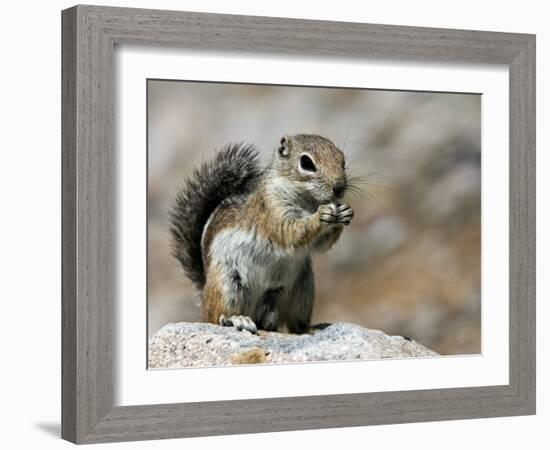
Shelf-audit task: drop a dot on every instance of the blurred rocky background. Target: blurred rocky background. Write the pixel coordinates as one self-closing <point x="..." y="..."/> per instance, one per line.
<point x="409" y="263"/>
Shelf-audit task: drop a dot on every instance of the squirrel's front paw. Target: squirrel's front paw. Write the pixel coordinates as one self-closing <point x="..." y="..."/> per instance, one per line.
<point x="328" y="214"/>
<point x="239" y="322"/>
<point x="345" y="213"/>
<point x="335" y="214"/>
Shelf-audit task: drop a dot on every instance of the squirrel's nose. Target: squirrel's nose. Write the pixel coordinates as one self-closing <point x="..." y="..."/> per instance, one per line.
<point x="339" y="187"/>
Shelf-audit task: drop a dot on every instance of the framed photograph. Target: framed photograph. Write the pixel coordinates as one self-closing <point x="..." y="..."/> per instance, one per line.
<point x="312" y="223"/>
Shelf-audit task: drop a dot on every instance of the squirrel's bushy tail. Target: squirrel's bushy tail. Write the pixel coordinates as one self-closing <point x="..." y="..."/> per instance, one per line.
<point x="234" y="171"/>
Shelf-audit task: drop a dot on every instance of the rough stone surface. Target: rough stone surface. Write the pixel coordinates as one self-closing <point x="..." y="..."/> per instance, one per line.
<point x="203" y="344"/>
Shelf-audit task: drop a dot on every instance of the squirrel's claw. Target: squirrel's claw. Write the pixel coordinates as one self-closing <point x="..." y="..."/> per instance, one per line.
<point x="240" y="323"/>
<point x="336" y="214"/>
<point x="328" y="213"/>
<point x="345" y="214"/>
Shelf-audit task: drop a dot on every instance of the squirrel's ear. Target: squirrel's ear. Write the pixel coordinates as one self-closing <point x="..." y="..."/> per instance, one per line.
<point x="283" y="149"/>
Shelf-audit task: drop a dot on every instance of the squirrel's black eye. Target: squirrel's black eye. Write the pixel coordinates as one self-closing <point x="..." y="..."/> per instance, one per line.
<point x="307" y="164"/>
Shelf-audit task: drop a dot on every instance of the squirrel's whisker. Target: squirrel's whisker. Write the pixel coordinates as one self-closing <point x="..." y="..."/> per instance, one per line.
<point x="363" y="194"/>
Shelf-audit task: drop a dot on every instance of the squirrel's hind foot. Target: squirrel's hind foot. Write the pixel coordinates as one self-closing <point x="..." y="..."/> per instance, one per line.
<point x="240" y="323"/>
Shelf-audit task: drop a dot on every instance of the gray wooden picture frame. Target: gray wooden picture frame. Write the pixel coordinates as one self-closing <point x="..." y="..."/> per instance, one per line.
<point x="89" y="36"/>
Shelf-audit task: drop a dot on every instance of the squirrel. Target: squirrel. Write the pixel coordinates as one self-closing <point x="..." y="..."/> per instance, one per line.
<point x="245" y="236"/>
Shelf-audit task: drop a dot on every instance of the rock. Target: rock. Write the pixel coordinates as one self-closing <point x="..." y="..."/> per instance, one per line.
<point x="203" y="344"/>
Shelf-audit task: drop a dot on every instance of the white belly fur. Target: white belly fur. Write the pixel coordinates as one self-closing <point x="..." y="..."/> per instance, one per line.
<point x="260" y="264"/>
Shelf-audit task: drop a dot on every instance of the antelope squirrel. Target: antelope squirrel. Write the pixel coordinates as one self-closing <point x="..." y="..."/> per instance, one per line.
<point x="245" y="236"/>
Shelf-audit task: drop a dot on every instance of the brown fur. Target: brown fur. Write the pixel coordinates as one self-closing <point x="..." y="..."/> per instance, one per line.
<point x="286" y="211"/>
<point x="212" y="298"/>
